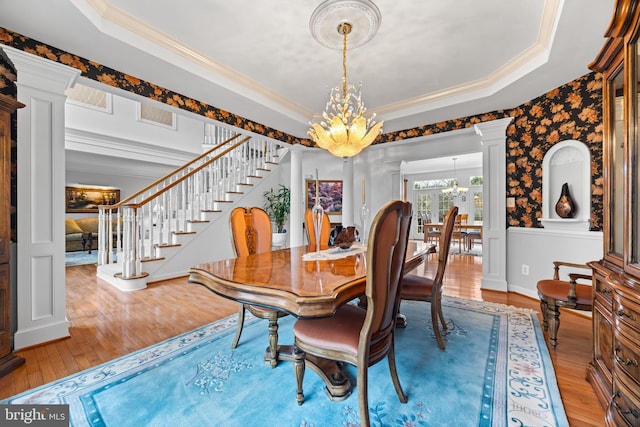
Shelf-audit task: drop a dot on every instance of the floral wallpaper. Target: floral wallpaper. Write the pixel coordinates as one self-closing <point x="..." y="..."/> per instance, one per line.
<point x="572" y="111"/>
<point x="111" y="77"/>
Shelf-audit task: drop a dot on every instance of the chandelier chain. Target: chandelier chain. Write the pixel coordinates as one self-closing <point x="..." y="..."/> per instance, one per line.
<point x="346" y="29"/>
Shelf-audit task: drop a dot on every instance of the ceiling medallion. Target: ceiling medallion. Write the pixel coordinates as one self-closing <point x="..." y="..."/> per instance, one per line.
<point x="363" y="15"/>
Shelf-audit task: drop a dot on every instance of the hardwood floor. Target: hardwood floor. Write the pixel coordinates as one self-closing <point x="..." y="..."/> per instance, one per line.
<point x="106" y="323"/>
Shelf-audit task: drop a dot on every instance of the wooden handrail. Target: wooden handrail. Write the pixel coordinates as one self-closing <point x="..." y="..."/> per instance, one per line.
<point x="125" y="202"/>
<point x="185" y="176"/>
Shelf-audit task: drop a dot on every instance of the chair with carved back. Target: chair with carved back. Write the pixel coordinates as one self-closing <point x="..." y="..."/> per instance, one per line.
<point x="420" y="288"/>
<point x="355" y="335"/>
<point x="556" y="293"/>
<point x="325" y="232"/>
<point x="250" y="234"/>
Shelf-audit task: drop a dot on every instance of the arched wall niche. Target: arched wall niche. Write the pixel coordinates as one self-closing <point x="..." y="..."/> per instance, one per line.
<point x="567" y="162"/>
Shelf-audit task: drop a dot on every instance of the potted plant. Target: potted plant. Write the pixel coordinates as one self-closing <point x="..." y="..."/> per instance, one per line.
<point x="277" y="206"/>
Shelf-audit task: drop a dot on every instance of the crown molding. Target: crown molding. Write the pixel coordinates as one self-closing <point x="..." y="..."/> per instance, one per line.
<point x="526" y="62"/>
<point x="116" y="23"/>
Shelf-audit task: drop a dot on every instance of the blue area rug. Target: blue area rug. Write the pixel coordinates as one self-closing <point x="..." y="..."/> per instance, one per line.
<point x="496" y="371"/>
<point x="81" y="258"/>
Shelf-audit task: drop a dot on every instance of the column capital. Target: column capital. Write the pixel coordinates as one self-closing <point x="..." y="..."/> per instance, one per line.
<point x="41" y="73"/>
<point x="495" y="129"/>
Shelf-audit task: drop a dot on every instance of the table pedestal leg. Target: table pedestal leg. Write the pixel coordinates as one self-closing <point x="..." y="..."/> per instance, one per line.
<point x="338" y="386"/>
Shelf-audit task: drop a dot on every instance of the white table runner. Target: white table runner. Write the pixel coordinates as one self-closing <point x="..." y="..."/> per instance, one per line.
<point x="334" y="253"/>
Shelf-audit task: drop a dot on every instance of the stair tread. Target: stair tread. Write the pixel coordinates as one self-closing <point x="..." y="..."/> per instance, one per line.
<point x="152" y="259"/>
<point x="167" y="245"/>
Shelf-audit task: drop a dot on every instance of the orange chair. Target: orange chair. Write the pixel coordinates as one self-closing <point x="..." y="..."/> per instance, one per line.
<point x="420" y="288"/>
<point x="325" y="232"/>
<point x="358" y="336"/>
<point x="250" y="234"/>
<point x="555" y="293"/>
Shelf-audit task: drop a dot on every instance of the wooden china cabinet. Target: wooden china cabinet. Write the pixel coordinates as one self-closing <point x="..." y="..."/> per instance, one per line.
<point x="8" y="360"/>
<point x="614" y="370"/>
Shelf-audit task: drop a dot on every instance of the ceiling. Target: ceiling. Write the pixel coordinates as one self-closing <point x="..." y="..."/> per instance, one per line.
<point x="431" y="60"/>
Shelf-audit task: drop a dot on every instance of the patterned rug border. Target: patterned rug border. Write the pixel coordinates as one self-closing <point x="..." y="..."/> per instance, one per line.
<point x="529" y="376"/>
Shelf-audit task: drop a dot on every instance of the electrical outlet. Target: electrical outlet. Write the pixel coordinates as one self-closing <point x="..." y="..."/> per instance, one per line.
<point x="525" y="270"/>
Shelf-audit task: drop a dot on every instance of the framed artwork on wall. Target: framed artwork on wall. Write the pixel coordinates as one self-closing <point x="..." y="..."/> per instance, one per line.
<point x="81" y="199"/>
<point x="330" y="193"/>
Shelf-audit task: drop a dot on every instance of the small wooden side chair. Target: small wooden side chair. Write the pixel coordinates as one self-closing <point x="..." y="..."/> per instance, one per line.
<point x="251" y="234"/>
<point x="325" y="232"/>
<point x="555" y="293"/>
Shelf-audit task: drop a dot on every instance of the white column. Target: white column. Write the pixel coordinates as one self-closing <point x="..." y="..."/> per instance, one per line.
<point x="296" y="219"/>
<point x="41" y="210"/>
<point x="494" y="230"/>
<point x="348" y="209"/>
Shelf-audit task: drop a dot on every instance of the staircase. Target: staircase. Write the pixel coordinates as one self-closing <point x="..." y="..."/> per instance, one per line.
<point x="162" y="230"/>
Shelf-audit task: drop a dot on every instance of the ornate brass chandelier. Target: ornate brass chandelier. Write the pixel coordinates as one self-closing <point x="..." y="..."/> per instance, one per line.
<point x="345" y="131"/>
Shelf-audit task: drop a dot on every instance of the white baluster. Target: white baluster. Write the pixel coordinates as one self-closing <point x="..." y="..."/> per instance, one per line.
<point x="128" y="235"/>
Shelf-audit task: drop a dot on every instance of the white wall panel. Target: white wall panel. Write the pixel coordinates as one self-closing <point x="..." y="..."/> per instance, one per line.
<point x="537" y="248"/>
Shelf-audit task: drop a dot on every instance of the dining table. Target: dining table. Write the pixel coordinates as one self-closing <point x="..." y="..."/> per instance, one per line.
<point x="303" y="282"/>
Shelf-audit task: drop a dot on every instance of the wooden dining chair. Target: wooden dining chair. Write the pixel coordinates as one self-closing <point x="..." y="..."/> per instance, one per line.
<point x="251" y="234"/>
<point x="358" y="336"/>
<point x="471" y="237"/>
<point x="325" y="232"/>
<point x="431" y="234"/>
<point x="555" y="293"/>
<point x="420" y="288"/>
<point x="458" y="233"/>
